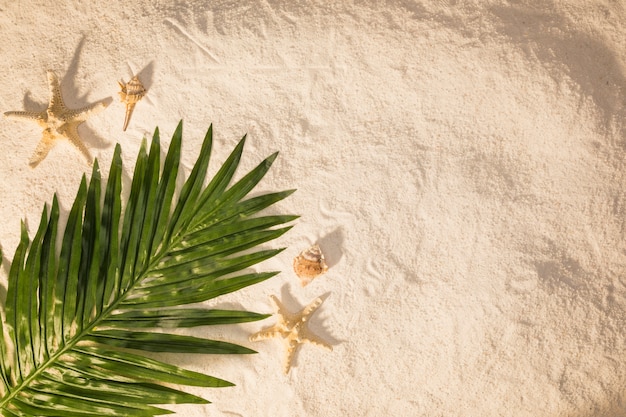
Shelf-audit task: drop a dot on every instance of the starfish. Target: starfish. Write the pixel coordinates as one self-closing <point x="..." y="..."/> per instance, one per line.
<point x="57" y="121"/>
<point x="292" y="327"/>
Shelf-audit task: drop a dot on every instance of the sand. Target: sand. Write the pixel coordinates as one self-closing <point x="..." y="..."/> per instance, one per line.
<point x="461" y="164"/>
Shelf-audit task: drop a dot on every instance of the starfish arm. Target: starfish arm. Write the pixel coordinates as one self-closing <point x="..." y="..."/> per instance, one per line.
<point x="286" y="316"/>
<point x="29" y="115"/>
<point x="56" y="100"/>
<point x="80" y="115"/>
<point x="71" y="132"/>
<point x="43" y="147"/>
<point x="292" y="347"/>
<point x="279" y="306"/>
<point x="310" y="309"/>
<point x="268" y="333"/>
<point x="305" y="335"/>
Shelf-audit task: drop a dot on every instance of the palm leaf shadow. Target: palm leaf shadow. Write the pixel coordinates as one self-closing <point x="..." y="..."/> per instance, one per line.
<point x="76" y="320"/>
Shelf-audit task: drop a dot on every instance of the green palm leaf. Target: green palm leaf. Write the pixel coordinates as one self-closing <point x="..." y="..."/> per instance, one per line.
<point x="76" y="317"/>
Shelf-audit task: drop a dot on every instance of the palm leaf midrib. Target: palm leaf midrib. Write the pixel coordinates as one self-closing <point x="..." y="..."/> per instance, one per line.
<point x="68" y="346"/>
<point x="191" y="226"/>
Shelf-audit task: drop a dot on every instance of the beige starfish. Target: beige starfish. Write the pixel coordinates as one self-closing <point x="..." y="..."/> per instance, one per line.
<point x="292" y="327"/>
<point x="58" y="122"/>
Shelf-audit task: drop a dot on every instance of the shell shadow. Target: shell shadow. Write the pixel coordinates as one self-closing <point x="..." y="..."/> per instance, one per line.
<point x="332" y="246"/>
<point x="146" y="75"/>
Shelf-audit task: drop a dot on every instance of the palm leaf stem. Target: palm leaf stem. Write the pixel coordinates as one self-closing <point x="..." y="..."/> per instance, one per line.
<point x="74" y="313"/>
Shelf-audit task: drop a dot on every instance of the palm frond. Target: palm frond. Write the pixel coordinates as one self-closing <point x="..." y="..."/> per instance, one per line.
<point x="77" y="318"/>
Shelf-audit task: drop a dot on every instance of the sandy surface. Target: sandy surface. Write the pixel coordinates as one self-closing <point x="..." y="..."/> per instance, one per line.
<point x="461" y="163"/>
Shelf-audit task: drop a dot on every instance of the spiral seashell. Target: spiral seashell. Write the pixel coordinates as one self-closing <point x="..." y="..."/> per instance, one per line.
<point x="131" y="93"/>
<point x="309" y="264"/>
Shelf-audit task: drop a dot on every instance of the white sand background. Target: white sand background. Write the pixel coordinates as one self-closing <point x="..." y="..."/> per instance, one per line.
<point x="461" y="163"/>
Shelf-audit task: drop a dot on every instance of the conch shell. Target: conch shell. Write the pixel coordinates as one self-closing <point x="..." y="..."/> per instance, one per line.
<point x="131" y="93"/>
<point x="309" y="264"/>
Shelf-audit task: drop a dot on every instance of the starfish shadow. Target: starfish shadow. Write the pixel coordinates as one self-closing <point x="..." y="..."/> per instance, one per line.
<point x="95" y="141"/>
<point x="30" y="103"/>
<point x="71" y="74"/>
<point x="74" y="100"/>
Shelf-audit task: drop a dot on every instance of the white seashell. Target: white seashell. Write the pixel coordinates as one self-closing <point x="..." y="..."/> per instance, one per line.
<point x="309" y="264"/>
<point x="131" y="93"/>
